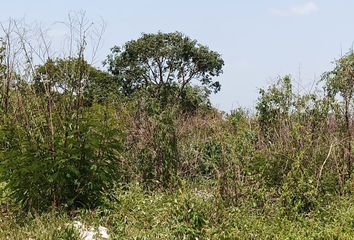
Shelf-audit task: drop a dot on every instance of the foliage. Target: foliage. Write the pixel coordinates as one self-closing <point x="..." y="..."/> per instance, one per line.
<point x="153" y="143"/>
<point x="164" y="61"/>
<point x="66" y="75"/>
<point x="340" y="81"/>
<point x="141" y="149"/>
<point x="191" y="213"/>
<point x="299" y="193"/>
<point x="71" y="172"/>
<point x="273" y="107"/>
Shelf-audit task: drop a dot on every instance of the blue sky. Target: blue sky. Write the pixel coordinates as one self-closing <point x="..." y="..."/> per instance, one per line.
<point x="258" y="39"/>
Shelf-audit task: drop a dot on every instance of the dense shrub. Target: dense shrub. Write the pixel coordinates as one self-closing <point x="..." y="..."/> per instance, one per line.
<point x="73" y="170"/>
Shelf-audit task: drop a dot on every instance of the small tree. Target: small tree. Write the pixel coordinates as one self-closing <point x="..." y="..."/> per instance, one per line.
<point x="340" y="83"/>
<point x="64" y="76"/>
<point x="273" y="107"/>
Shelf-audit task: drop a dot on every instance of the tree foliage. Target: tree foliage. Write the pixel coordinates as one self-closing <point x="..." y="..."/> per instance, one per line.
<point x="163" y="61"/>
<point x="71" y="75"/>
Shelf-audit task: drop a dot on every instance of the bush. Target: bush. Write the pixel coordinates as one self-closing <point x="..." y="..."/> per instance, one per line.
<point x="82" y="162"/>
<point x="299" y="193"/>
<point x="189" y="217"/>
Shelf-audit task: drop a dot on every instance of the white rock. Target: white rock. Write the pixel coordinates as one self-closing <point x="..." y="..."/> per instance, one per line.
<point x="90" y="233"/>
<point x="103" y="232"/>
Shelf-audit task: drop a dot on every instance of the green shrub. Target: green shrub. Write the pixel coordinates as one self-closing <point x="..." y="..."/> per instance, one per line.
<point x="72" y="171"/>
<point x="299" y="193"/>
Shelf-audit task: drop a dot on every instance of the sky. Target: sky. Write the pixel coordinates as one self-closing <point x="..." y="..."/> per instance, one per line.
<point x="259" y="40"/>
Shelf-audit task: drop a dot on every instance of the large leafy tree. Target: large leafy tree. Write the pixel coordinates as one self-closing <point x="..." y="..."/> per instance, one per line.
<point x="166" y="63"/>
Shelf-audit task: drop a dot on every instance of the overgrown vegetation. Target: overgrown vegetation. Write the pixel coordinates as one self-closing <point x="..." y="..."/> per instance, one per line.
<point x="140" y="149"/>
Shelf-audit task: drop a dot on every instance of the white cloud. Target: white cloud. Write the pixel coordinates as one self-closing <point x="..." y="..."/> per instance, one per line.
<point x="296" y="10"/>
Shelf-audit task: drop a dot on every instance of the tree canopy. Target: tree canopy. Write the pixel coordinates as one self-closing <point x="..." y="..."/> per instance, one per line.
<point x="163" y="60"/>
<point x="74" y="75"/>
